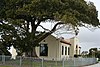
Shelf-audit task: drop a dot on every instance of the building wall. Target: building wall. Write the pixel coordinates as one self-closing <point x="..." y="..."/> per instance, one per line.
<point x="53" y="48"/>
<point x="78" y="50"/>
<point x="74" y="42"/>
<point x="64" y="56"/>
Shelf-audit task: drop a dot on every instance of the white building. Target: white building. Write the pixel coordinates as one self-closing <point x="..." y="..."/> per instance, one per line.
<point x="52" y="48"/>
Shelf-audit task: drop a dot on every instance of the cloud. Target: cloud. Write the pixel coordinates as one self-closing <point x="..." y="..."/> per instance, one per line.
<point x="87" y="45"/>
<point x="89" y="39"/>
<point x="86" y="35"/>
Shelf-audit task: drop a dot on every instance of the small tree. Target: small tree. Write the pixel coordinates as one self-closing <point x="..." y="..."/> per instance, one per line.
<point x="92" y="52"/>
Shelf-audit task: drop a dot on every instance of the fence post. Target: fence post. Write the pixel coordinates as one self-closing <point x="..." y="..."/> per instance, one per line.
<point x="31" y="61"/>
<point x="42" y="61"/>
<point x="3" y="59"/>
<point x="82" y="61"/>
<point x="63" y="63"/>
<point x="20" y="61"/>
<point x="74" y="61"/>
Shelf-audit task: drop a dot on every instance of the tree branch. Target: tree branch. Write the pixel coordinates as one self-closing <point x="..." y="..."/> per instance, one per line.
<point x="1" y="21"/>
<point x="44" y="28"/>
<point x="33" y="25"/>
<point x="54" y="28"/>
<point x="42" y="19"/>
<point x="27" y="29"/>
<point x="43" y="36"/>
<point x="38" y="23"/>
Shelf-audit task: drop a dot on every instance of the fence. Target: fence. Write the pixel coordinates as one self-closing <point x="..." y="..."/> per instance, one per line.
<point x="36" y="62"/>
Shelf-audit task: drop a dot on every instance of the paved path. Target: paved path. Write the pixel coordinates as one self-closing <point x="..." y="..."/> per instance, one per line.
<point x="95" y="65"/>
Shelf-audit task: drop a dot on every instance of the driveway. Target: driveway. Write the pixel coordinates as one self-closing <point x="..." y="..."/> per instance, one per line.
<point x="95" y="65"/>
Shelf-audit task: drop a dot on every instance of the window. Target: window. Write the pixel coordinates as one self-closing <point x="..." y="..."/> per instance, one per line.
<point x="79" y="52"/>
<point x="62" y="50"/>
<point x="43" y="50"/>
<point x="76" y="46"/>
<point x="76" y="51"/>
<point x="68" y="50"/>
<point x="65" y="50"/>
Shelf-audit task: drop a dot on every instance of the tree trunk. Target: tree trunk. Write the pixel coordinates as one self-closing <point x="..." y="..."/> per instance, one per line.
<point x="33" y="53"/>
<point x="33" y="30"/>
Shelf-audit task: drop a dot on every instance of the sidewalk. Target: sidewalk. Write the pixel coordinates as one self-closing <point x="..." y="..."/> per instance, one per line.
<point x="95" y="65"/>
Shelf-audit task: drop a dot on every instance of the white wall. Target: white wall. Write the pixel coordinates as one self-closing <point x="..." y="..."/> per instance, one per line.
<point x="64" y="45"/>
<point x="74" y="41"/>
<point x="53" y="48"/>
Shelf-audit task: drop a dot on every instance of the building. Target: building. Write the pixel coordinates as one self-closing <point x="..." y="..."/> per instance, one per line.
<point x="52" y="48"/>
<point x="75" y="48"/>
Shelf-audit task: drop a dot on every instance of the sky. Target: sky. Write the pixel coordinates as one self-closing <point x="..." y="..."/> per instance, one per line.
<point x="89" y="39"/>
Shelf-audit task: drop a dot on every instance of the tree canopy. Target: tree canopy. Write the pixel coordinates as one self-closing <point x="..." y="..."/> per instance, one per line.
<point x="94" y="52"/>
<point x="17" y="16"/>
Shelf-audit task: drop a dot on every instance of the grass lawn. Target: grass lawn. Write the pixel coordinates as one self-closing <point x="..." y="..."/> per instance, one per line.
<point x="5" y="66"/>
<point x="34" y="64"/>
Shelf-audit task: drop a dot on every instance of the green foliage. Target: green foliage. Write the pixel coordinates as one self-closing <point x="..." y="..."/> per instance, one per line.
<point x="16" y="15"/>
<point x="69" y="11"/>
<point x="95" y="52"/>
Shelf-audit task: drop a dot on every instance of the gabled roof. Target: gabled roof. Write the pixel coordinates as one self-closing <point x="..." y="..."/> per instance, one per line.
<point x="64" y="41"/>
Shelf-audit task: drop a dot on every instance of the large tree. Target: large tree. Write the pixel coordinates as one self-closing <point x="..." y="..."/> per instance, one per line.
<point x="18" y="16"/>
